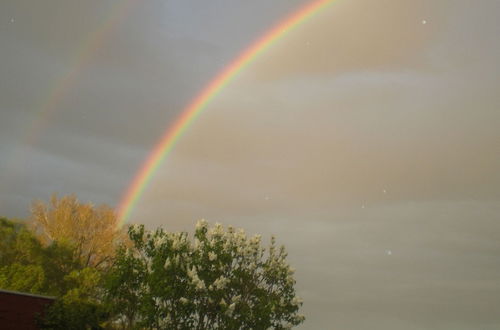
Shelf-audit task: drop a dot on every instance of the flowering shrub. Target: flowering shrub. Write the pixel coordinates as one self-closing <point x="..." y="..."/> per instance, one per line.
<point x="220" y="279"/>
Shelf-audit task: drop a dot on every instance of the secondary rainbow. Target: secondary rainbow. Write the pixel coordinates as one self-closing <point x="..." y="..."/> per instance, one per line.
<point x="191" y="112"/>
<point x="83" y="55"/>
<point x="57" y="93"/>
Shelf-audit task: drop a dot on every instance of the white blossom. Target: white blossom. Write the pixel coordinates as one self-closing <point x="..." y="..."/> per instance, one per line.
<point x="296" y="301"/>
<point x="212" y="256"/>
<point x="135" y="228"/>
<point x="200" y="285"/>
<point x="195" y="280"/>
<point x="192" y="272"/>
<point x="240" y="235"/>
<point x="159" y="241"/>
<point x="227" y="246"/>
<point x="299" y="318"/>
<point x="217" y="230"/>
<point x="176" y="243"/>
<point x="201" y="224"/>
<point x="255" y="239"/>
<point x="221" y="282"/>
<point x="230" y="309"/>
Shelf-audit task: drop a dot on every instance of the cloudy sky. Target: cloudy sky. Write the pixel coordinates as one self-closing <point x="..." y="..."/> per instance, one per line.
<point x="367" y="140"/>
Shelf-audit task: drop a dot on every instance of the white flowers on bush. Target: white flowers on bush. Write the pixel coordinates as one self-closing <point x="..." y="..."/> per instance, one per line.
<point x="212" y="256"/>
<point x="135" y="228"/>
<point x="230" y="309"/>
<point x="158" y="241"/>
<point x="217" y="230"/>
<point x="202" y="224"/>
<point x="296" y="301"/>
<point x="167" y="263"/>
<point x="195" y="280"/>
<point x="221" y="282"/>
<point x="220" y="278"/>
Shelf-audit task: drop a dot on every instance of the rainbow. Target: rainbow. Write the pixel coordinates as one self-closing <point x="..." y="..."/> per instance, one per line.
<point x="192" y="111"/>
<point x="118" y="13"/>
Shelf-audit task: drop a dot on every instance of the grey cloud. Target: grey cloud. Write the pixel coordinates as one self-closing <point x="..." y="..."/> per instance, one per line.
<point x="356" y="35"/>
<point x="365" y="141"/>
<point x="308" y="158"/>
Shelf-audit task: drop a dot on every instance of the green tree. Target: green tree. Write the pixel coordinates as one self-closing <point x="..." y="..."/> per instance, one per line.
<point x="9" y="232"/>
<point x="21" y="257"/>
<point x="221" y="279"/>
<point x="27" y="265"/>
<point x="24" y="278"/>
<point x="17" y="244"/>
<point x="81" y="306"/>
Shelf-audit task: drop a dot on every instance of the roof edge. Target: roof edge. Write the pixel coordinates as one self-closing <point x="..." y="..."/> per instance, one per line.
<point x="26" y="294"/>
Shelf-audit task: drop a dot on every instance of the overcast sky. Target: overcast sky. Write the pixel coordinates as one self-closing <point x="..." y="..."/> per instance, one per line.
<point x="367" y="140"/>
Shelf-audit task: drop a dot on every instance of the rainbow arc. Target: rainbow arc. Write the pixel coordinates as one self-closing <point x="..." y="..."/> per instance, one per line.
<point x="192" y="111"/>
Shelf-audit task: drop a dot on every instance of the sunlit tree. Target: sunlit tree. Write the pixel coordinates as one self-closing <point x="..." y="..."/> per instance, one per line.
<point x="93" y="231"/>
<point x="220" y="279"/>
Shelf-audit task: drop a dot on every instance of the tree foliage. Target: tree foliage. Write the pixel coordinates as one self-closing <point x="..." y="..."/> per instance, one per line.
<point x="221" y="279"/>
<point x="27" y="265"/>
<point x="93" y="231"/>
<point x="218" y="278"/>
<point x="80" y="307"/>
<point x="22" y="259"/>
<point x="10" y="232"/>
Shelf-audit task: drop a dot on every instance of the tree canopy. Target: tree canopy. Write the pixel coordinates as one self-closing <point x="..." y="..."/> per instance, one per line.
<point x="27" y="265"/>
<point x="94" y="231"/>
<point x="219" y="279"/>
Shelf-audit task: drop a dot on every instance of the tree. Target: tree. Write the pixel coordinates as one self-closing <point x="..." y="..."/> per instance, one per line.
<point x="93" y="231"/>
<point x="220" y="280"/>
<point x="80" y="307"/>
<point x="21" y="257"/>
<point x="10" y="232"/>
<point x="27" y="265"/>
